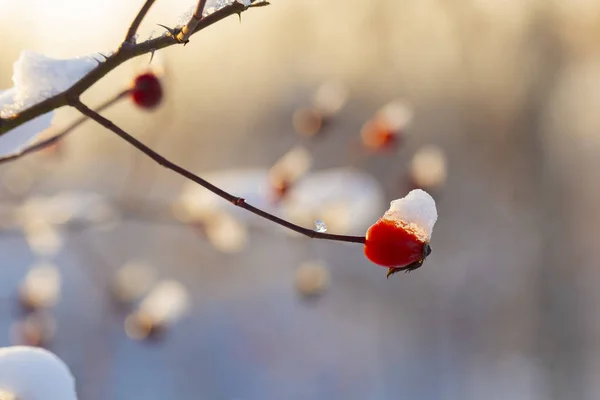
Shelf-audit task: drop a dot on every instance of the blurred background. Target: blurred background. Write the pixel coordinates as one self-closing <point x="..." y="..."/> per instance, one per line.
<point x="149" y="287"/>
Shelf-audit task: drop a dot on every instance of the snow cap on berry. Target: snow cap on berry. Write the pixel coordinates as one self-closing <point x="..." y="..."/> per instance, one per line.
<point x="417" y="208"/>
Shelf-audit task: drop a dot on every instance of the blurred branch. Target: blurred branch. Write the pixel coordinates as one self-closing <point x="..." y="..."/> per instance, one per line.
<point x="131" y="32"/>
<point x="124" y="53"/>
<point x="51" y="140"/>
<point x="237" y="201"/>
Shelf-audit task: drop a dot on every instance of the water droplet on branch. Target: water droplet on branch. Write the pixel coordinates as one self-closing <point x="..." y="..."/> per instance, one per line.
<point x="320" y="226"/>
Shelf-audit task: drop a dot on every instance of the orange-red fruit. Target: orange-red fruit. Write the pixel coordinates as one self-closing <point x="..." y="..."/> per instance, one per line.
<point x="280" y="190"/>
<point x="393" y="245"/>
<point x="147" y="91"/>
<point x="376" y="135"/>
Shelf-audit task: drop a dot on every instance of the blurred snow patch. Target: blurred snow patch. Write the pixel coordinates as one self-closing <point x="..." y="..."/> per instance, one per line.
<point x="343" y="198"/>
<point x="66" y="206"/>
<point x="29" y="373"/>
<point x="417" y="207"/>
<point x="225" y="232"/>
<point x="166" y="303"/>
<point x="428" y="167"/>
<point x="133" y="280"/>
<point x="21" y="136"/>
<point x="312" y="278"/>
<point x="41" y="286"/>
<point x="396" y="115"/>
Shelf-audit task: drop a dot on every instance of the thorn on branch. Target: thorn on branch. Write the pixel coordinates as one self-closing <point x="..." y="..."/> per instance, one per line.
<point x="104" y="56"/>
<point x="172" y="31"/>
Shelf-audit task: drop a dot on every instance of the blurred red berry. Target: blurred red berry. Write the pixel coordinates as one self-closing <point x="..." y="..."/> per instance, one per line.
<point x="376" y="135"/>
<point x="147" y="91"/>
<point x="279" y="189"/>
<point x="395" y="245"/>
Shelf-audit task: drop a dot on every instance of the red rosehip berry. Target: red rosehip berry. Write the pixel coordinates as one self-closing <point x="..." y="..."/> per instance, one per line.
<point x="147" y="91"/>
<point x="393" y="245"/>
<point x="400" y="239"/>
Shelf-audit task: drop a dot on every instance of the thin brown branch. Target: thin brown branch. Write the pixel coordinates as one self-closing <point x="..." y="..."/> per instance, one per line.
<point x="189" y="28"/>
<point x="131" y="32"/>
<point x="51" y="140"/>
<point x="237" y="201"/>
<point x="114" y="60"/>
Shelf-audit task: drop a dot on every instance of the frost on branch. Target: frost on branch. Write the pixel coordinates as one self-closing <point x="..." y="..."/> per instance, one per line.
<point x="168" y="302"/>
<point x="213" y="5"/>
<point x="28" y="373"/>
<point x="417" y="208"/>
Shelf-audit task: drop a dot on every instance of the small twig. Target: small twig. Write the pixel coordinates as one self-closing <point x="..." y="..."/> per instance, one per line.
<point x="131" y="32"/>
<point x="51" y="140"/>
<point x="237" y="201"/>
<point x="184" y="34"/>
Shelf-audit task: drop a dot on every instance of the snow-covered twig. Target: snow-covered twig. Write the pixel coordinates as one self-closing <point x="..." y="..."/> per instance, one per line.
<point x="124" y="53"/>
<point x="237" y="201"/>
